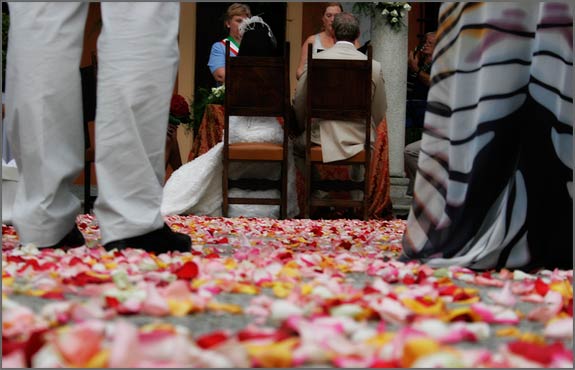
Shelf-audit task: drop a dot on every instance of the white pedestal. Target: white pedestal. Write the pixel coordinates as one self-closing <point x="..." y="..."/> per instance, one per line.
<point x="390" y="49"/>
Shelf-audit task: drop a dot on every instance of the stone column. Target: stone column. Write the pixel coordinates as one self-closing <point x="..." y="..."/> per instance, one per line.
<point x="390" y="49"/>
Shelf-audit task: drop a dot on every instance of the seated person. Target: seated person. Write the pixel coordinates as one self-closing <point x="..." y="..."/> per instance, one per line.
<point x="339" y="139"/>
<point x="322" y="40"/>
<point x="419" y="63"/>
<point x="235" y="14"/>
<point x="196" y="187"/>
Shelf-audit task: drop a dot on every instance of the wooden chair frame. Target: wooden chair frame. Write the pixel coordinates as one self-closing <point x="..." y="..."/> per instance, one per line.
<point x="338" y="89"/>
<point x="256" y="86"/>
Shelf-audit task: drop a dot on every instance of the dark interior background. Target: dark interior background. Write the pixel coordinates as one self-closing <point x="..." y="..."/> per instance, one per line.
<point x="210" y="28"/>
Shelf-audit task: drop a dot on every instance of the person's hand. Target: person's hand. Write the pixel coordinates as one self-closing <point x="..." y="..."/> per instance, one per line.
<point x="413" y="60"/>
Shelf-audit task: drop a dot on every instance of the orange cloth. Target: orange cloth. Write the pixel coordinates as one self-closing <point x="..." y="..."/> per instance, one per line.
<point x="211" y="131"/>
<point x="379" y="183"/>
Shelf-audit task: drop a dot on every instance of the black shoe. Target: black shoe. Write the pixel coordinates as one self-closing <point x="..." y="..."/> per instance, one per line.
<point x="158" y="241"/>
<point x="73" y="239"/>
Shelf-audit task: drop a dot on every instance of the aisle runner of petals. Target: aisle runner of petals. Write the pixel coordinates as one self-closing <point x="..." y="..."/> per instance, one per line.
<point x="322" y="293"/>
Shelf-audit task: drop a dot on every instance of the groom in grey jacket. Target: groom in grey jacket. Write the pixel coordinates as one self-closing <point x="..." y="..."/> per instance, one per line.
<point x="339" y="139"/>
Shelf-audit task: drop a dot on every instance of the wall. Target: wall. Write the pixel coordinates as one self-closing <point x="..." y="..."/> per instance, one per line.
<point x="187" y="40"/>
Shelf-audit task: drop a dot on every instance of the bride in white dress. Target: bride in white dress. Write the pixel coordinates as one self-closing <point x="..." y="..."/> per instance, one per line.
<point x="196" y="187"/>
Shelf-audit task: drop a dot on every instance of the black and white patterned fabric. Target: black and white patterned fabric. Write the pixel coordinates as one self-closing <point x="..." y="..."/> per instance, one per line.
<point x="494" y="186"/>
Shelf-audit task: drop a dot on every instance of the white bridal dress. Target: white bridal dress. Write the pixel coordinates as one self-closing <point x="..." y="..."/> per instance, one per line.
<point x="196" y="187"/>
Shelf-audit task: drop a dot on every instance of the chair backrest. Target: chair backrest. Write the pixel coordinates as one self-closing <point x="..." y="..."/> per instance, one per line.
<point x="339" y="89"/>
<point x="257" y="86"/>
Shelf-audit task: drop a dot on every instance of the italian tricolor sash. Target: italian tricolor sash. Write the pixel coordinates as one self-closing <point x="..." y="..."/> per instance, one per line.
<point x="234" y="48"/>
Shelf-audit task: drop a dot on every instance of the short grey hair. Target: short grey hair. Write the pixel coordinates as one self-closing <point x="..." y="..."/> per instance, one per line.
<point x="345" y="27"/>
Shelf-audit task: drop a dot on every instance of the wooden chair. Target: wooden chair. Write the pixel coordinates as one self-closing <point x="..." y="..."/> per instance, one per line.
<point x="337" y="90"/>
<point x="88" y="76"/>
<point x="256" y="86"/>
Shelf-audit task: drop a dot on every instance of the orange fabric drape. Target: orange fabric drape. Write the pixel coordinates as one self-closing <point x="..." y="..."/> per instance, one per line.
<point x="379" y="183"/>
<point x="211" y="131"/>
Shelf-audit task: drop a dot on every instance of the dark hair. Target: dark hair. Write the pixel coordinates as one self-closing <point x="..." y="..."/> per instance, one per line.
<point x="258" y="41"/>
<point x="345" y="27"/>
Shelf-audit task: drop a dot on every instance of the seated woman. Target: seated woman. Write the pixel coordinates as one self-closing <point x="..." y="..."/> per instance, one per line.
<point x="196" y="188"/>
<point x="235" y="14"/>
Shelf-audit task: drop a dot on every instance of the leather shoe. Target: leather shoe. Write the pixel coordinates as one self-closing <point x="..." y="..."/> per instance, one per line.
<point x="158" y="241"/>
<point x="73" y="239"/>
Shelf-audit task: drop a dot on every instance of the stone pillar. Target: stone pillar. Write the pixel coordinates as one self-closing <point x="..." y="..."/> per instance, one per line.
<point x="390" y="49"/>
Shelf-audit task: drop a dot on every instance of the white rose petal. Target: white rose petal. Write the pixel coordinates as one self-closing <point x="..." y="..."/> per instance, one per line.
<point x="281" y="310"/>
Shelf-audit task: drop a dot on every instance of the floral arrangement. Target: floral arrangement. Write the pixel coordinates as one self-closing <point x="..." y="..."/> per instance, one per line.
<point x="179" y="110"/>
<point x="394" y="12"/>
<point x="205" y="96"/>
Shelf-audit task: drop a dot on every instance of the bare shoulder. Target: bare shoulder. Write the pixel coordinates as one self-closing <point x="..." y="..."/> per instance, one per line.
<point x="309" y="40"/>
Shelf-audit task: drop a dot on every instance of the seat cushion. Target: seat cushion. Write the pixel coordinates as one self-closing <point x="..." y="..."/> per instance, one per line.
<point x="256" y="151"/>
<point x="316" y="156"/>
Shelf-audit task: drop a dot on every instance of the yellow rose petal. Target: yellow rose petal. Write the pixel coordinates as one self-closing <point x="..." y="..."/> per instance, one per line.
<point x="274" y="354"/>
<point x="282" y="290"/>
<point x="416" y="348"/>
<point x="510" y="331"/>
<point x="435" y="309"/>
<point x="245" y="289"/>
<point x="226" y="307"/>
<point x="99" y="360"/>
<point x="180" y="308"/>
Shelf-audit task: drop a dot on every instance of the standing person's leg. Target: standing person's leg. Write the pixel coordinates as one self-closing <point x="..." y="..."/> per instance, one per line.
<point x="410" y="156"/>
<point x="44" y="118"/>
<point x="138" y="59"/>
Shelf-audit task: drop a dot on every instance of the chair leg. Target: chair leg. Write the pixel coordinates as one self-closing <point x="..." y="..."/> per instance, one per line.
<point x="284" y="190"/>
<point x="366" y="175"/>
<point x="225" y="203"/>
<point x="307" y="187"/>
<point x="87" y="181"/>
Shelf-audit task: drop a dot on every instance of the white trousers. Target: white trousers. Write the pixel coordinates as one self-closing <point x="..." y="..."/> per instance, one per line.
<point x="137" y="65"/>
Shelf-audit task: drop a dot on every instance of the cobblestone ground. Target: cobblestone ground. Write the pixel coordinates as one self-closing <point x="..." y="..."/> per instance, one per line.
<point x="268" y="293"/>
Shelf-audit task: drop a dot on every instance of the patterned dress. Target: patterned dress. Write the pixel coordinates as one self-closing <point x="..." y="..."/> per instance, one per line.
<point x="494" y="186"/>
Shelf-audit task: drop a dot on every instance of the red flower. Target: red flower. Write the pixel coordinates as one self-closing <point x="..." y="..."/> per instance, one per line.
<point x="179" y="110"/>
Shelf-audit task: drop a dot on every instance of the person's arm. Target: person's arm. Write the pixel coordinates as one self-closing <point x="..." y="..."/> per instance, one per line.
<point x="424" y="77"/>
<point x="299" y="103"/>
<point x="413" y="61"/>
<point x="217" y="62"/>
<point x="303" y="59"/>
<point x="220" y="74"/>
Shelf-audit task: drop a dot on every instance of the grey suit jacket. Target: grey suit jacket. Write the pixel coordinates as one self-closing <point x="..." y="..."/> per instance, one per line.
<point x="339" y="139"/>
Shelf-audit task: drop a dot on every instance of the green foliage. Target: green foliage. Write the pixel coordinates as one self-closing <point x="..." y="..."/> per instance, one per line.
<point x="204" y="96"/>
